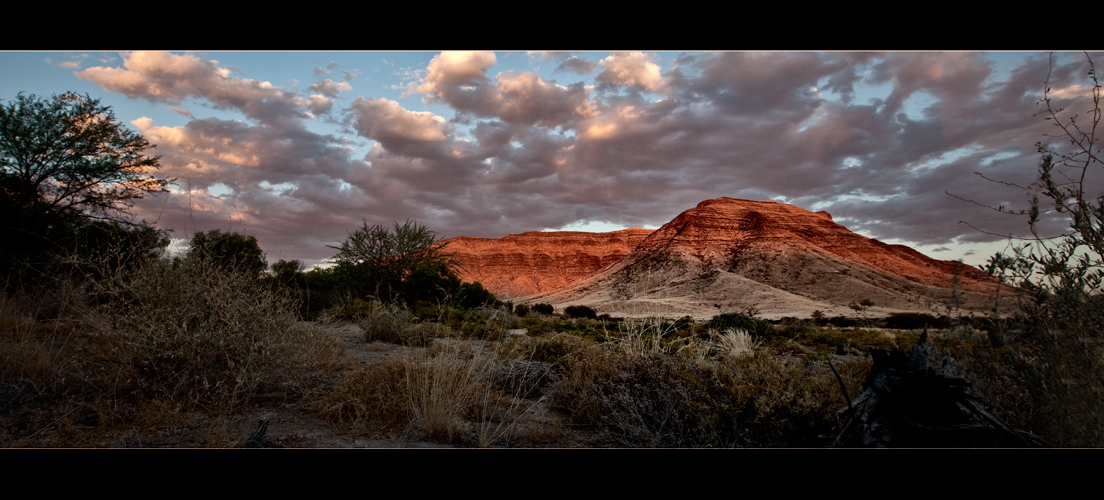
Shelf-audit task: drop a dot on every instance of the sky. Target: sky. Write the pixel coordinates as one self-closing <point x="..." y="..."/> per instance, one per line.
<point x="300" y="148"/>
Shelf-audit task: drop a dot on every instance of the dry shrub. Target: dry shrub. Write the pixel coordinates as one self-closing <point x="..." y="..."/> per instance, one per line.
<point x="669" y="400"/>
<point x="737" y="343"/>
<point x="191" y="335"/>
<point x="453" y="391"/>
<point x="551" y="349"/>
<point x="198" y="334"/>
<point x="373" y="397"/>
<point x="1052" y="388"/>
<point x="444" y="385"/>
<point x="385" y="322"/>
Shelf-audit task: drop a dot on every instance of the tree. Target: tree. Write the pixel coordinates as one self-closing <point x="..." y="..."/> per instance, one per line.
<point x="229" y="250"/>
<point x="64" y="163"/>
<point x="288" y="273"/>
<point x="383" y="259"/>
<point x="68" y="158"/>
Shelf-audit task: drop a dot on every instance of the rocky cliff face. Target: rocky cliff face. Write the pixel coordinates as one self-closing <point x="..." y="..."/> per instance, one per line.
<point x="725" y="254"/>
<point x="727" y="233"/>
<point x="533" y="262"/>
<point x="728" y="254"/>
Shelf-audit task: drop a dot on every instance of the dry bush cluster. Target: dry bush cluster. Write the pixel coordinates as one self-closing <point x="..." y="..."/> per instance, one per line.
<point x="454" y="391"/>
<point x="189" y="336"/>
<point x="639" y="388"/>
<point x="738" y="399"/>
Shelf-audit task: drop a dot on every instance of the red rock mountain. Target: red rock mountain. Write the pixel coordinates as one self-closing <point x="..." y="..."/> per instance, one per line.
<point x="725" y="254"/>
<point x="524" y="264"/>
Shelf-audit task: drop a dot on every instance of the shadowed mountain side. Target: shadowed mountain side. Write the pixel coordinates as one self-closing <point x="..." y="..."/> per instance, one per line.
<point x="534" y="262"/>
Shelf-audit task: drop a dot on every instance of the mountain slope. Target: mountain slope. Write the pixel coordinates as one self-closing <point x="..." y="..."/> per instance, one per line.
<point x="728" y="254"/>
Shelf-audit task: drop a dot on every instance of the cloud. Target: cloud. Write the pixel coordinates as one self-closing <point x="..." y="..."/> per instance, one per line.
<point x="161" y="77"/>
<point x="634" y="69"/>
<point x="389" y="123"/>
<point x="458" y="79"/>
<point x="330" y="88"/>
<point x="575" y="64"/>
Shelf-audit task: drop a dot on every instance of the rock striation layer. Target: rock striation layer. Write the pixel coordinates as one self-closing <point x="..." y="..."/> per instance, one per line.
<point x="533" y="262"/>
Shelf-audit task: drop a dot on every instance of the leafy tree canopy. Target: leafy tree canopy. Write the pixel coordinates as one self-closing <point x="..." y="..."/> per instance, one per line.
<point x="68" y="156"/>
<point x="229" y="250"/>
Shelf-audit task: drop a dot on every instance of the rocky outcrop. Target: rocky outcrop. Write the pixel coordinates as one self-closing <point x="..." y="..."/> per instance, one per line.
<point x="533" y="262"/>
<point x="724" y="254"/>
<point x="733" y="234"/>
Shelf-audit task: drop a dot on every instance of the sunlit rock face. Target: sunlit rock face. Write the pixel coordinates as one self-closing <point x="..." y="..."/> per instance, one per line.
<point x="730" y="234"/>
<point x="532" y="262"/>
<point x="724" y="254"/>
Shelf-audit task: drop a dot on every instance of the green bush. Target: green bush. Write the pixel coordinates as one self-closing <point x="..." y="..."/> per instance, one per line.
<point x="545" y="309"/>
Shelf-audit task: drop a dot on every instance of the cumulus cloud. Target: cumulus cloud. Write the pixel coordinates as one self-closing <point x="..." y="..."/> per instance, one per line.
<point x="389" y="123"/>
<point x="634" y="69"/>
<point x="162" y="77"/>
<point x="330" y="88"/>
<point x="575" y="64"/>
<point x="459" y="79"/>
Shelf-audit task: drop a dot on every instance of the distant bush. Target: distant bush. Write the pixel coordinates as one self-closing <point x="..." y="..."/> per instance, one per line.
<point x="915" y="321"/>
<point x="842" y="321"/>
<point x="473" y="296"/>
<point x="521" y="310"/>
<point x="740" y="321"/>
<point x="546" y="309"/>
<point x="580" y="312"/>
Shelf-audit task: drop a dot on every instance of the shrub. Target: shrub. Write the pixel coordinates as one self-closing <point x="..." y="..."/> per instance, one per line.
<point x="915" y="321"/>
<point x="521" y="310"/>
<point x="580" y="311"/>
<point x="739" y="321"/>
<point x="201" y="335"/>
<point x="665" y="400"/>
<point x="473" y="296"/>
<point x="386" y="322"/>
<point x="1054" y="346"/>
<point x="545" y="309"/>
<point x="842" y="321"/>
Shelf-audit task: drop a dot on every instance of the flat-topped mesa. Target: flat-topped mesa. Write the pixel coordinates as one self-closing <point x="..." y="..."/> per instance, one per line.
<point x="533" y="262"/>
<point x="727" y="233"/>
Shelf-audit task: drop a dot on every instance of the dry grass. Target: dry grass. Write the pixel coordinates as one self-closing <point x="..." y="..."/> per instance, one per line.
<point x="454" y="391"/>
<point x="737" y="343"/>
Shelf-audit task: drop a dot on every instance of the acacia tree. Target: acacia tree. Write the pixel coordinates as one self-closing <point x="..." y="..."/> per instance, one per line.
<point x="384" y="258"/>
<point x="66" y="160"/>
